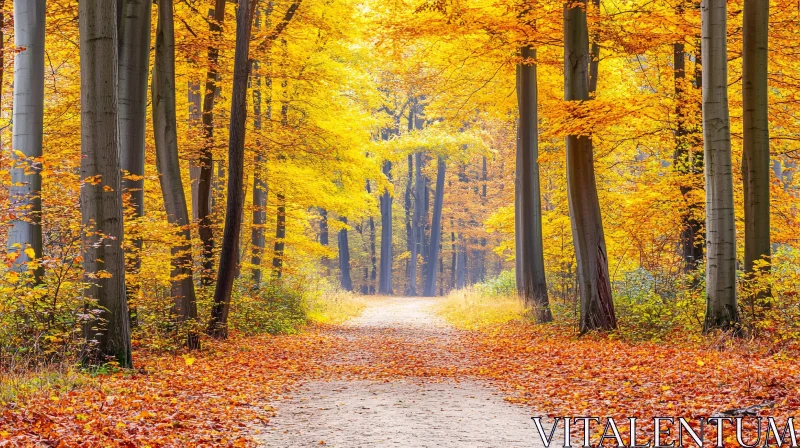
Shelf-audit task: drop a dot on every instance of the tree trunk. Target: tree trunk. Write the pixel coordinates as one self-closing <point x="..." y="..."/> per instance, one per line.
<point x="411" y="265"/>
<point x="169" y="168"/>
<point x="133" y="47"/>
<point x="417" y="226"/>
<point x="597" y="307"/>
<point x="344" y="259"/>
<point x="436" y="231"/>
<point x="461" y="263"/>
<point x="755" y="158"/>
<point x="101" y="192"/>
<point x="721" y="308"/>
<point x="206" y="161"/>
<point x="260" y="188"/>
<point x="25" y="233"/>
<point x="218" y="326"/>
<point x="385" y="286"/>
<point x="688" y="164"/>
<point x="373" y="276"/>
<point x="531" y="282"/>
<point x="280" y="237"/>
<point x="482" y="257"/>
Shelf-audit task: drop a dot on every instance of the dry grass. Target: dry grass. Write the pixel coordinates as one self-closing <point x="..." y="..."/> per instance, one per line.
<point x="334" y="307"/>
<point x="19" y="385"/>
<point x="472" y="308"/>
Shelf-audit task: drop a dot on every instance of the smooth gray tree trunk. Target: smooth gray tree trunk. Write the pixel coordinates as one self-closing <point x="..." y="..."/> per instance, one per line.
<point x="344" y="259"/>
<point x="133" y="50"/>
<point x="134" y="66"/>
<point x="26" y="144"/>
<point x="169" y="168"/>
<point x="755" y="156"/>
<point x="101" y="188"/>
<point x="721" y="307"/>
<point x="531" y="282"/>
<point x="597" y="307"/>
<point x="385" y="286"/>
<point x="218" y="325"/>
<point x="436" y="231"/>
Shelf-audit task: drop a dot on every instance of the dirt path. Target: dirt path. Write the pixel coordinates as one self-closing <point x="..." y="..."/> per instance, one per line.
<point x="402" y="382"/>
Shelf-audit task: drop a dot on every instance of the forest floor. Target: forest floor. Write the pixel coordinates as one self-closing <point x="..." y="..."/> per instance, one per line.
<point x="442" y="407"/>
<point x="399" y="376"/>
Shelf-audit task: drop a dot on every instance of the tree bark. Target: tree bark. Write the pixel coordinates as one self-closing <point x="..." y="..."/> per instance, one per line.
<point x="597" y="307"/>
<point x="461" y="263"/>
<point x="280" y="236"/>
<point x="28" y="115"/>
<point x="206" y="160"/>
<point x="755" y="156"/>
<point x="417" y="226"/>
<point x="436" y="231"/>
<point x="531" y="281"/>
<point x="218" y="325"/>
<point x="169" y="168"/>
<point x="721" y="307"/>
<point x="260" y="188"/>
<point x="101" y="190"/>
<point x="133" y="47"/>
<point x="373" y="273"/>
<point x="688" y="164"/>
<point x="385" y="286"/>
<point x="344" y="259"/>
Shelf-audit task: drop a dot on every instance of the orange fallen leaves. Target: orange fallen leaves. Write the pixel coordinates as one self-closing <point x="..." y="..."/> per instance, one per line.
<point x="226" y="392"/>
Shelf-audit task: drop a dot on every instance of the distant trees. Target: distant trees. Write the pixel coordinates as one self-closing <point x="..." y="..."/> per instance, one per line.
<point x="101" y="191"/>
<point x="385" y="286"/>
<point x="436" y="231"/>
<point x="346" y="281"/>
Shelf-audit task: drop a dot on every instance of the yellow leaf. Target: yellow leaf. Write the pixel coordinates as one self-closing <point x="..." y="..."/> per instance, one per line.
<point x="30" y="253"/>
<point x="188" y="360"/>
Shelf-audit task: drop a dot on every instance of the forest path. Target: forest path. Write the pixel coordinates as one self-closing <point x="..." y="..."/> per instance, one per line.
<point x="402" y="381"/>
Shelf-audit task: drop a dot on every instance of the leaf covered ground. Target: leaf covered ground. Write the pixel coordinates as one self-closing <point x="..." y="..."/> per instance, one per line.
<point x="223" y="395"/>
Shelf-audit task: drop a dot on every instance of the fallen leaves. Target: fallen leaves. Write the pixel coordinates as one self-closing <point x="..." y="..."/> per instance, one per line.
<point x="220" y="396"/>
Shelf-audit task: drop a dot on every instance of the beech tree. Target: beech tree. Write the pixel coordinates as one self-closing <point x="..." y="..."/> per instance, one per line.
<point x="344" y="258"/>
<point x="133" y="48"/>
<point x="101" y="190"/>
<point x="721" y="306"/>
<point x="436" y="231"/>
<point x="688" y="160"/>
<point x="169" y="169"/>
<point x="25" y="233"/>
<point x="206" y="160"/>
<point x="233" y="214"/>
<point x="385" y="286"/>
<point x="531" y="283"/>
<point x="755" y="155"/>
<point x="594" y="285"/>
